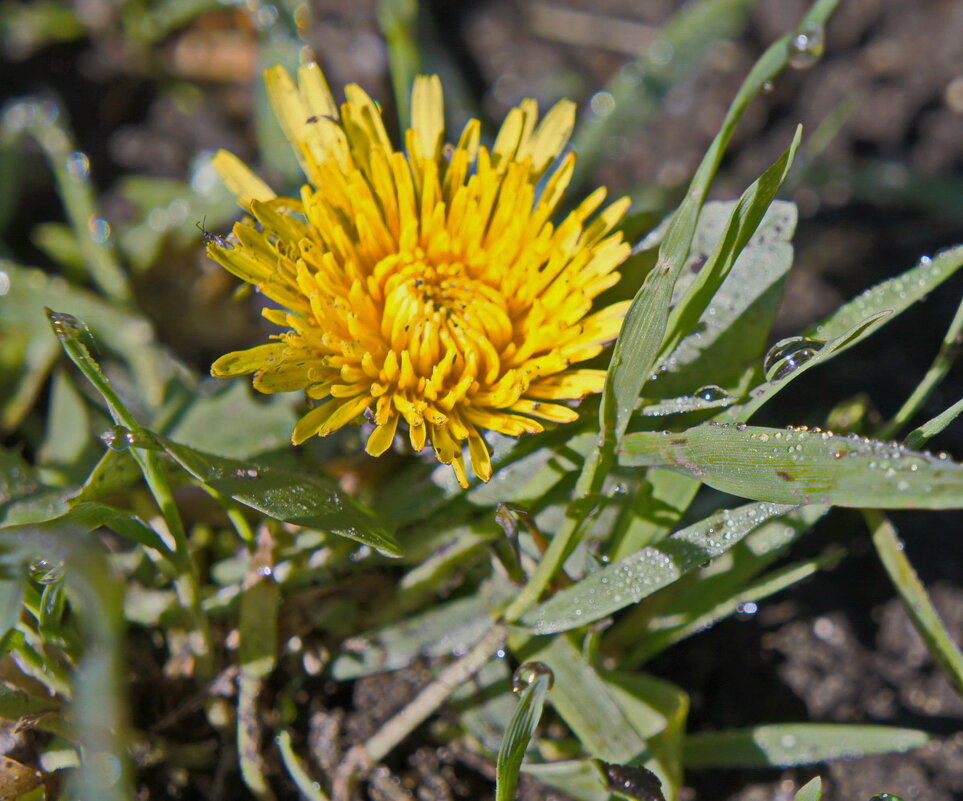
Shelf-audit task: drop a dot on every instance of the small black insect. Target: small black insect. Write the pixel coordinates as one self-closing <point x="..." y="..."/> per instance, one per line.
<point x="210" y="238"/>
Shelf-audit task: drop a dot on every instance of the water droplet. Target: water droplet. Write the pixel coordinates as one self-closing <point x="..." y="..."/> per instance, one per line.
<point x="767" y="88"/>
<point x="265" y="17"/>
<point x="99" y="229"/>
<point x="118" y="438"/>
<point x="885" y="797"/>
<point x="660" y="52"/>
<point x="46" y="571"/>
<point x="78" y="164"/>
<point x="747" y="609"/>
<point x="527" y="673"/>
<point x="806" y="47"/>
<point x="711" y="393"/>
<point x="264" y="570"/>
<point x="787" y="355"/>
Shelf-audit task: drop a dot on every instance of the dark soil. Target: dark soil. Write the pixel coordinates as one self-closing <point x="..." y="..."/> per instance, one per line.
<point x="887" y="189"/>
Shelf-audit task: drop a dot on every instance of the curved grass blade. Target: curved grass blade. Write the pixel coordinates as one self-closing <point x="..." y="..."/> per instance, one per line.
<point x="790" y="744"/>
<point x="300" y="498"/>
<point x="800" y="466"/>
<point x="920" y="436"/>
<point x="519" y="733"/>
<point x="629" y="580"/>
<point x="916" y="601"/>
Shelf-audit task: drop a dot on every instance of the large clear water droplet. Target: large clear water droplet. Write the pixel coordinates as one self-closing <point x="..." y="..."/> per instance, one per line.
<point x="787" y="355"/>
<point x="99" y="229"/>
<point x="806" y="47"/>
<point x="711" y="393"/>
<point x="46" y="571"/>
<point x="118" y="438"/>
<point x="528" y="673"/>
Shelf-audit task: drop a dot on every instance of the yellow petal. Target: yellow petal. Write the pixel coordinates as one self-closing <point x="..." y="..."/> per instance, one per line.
<point x="242" y="362"/>
<point x="382" y="437"/>
<point x="240" y="180"/>
<point x="428" y="114"/>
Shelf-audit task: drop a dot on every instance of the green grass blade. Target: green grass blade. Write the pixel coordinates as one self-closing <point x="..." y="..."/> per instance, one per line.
<point x="629" y="580"/>
<point x="916" y="601"/>
<point x="810" y="791"/>
<point x="801" y="466"/>
<point x="895" y="294"/>
<point x="790" y="744"/>
<point x="519" y="733"/>
<point x="643" y="329"/>
<point x="947" y="355"/>
<point x="920" y="436"/>
<point x="305" y="499"/>
<point x="743" y="222"/>
<point x="585" y="701"/>
<point x="398" y="21"/>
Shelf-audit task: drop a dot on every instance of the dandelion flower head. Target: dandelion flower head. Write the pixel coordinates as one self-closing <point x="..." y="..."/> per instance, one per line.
<point x="424" y="287"/>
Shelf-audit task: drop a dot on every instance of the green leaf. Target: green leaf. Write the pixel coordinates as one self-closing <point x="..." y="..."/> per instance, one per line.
<point x="519" y="733"/>
<point x="629" y="580"/>
<point x="304" y="499"/>
<point x="23" y="498"/>
<point x="585" y="701"/>
<point x="117" y="330"/>
<point x="11" y="600"/>
<point x="733" y="331"/>
<point x="745" y="218"/>
<point x="810" y="791"/>
<point x="800" y="466"/>
<point x="211" y="423"/>
<point x="919" y="436"/>
<point x="790" y="744"/>
<point x="439" y="631"/>
<point x="577" y="778"/>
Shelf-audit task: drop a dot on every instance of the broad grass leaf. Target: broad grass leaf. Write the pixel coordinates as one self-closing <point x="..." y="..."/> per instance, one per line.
<point x="629" y="580"/>
<point x="801" y="466"/>
<point x="789" y="744"/>
<point x="305" y="499"/>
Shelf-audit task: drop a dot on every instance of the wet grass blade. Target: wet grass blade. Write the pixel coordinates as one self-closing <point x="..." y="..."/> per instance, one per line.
<point x="801" y="466"/>
<point x="629" y="580"/>
<point x="790" y="744"/>
<point x="519" y="733"/>
<point x="916" y="601"/>
<point x="303" y="499"/>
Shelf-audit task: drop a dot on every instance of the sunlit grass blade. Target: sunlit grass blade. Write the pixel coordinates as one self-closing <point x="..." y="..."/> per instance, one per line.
<point x="629" y="580"/>
<point x="800" y="466"/>
<point x="916" y="601"/>
<point x="789" y="744"/>
<point x="656" y="508"/>
<point x="305" y="499"/>
<point x="519" y="733"/>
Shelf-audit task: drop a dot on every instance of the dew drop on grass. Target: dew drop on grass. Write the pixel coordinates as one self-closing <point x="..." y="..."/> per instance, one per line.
<point x="711" y="393"/>
<point x="46" y="571"/>
<point x="118" y="438"/>
<point x="806" y="47"/>
<point x="527" y="673"/>
<point x="787" y="355"/>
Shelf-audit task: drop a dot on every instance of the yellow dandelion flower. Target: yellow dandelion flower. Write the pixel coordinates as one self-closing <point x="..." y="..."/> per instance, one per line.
<point x="426" y="285"/>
